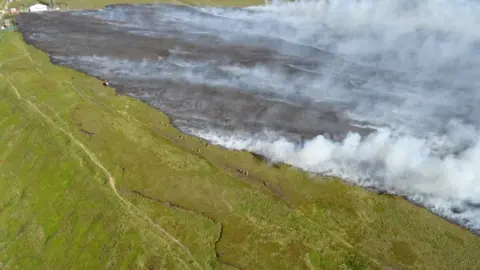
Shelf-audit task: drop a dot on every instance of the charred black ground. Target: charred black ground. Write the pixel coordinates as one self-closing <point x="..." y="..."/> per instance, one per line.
<point x="138" y="63"/>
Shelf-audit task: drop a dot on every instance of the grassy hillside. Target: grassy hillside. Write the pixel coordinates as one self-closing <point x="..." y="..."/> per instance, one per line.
<point x="92" y="180"/>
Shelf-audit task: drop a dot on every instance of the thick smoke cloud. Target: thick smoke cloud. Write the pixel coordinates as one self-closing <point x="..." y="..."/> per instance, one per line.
<point x="383" y="93"/>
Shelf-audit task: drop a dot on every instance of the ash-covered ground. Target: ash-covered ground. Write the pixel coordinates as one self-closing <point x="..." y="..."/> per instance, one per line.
<point x="190" y="72"/>
<point x="382" y="93"/>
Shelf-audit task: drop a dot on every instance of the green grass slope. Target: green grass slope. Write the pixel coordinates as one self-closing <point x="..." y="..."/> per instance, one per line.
<point x="92" y="180"/>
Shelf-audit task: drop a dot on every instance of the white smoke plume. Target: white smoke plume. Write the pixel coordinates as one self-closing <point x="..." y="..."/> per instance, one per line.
<point x="429" y="147"/>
